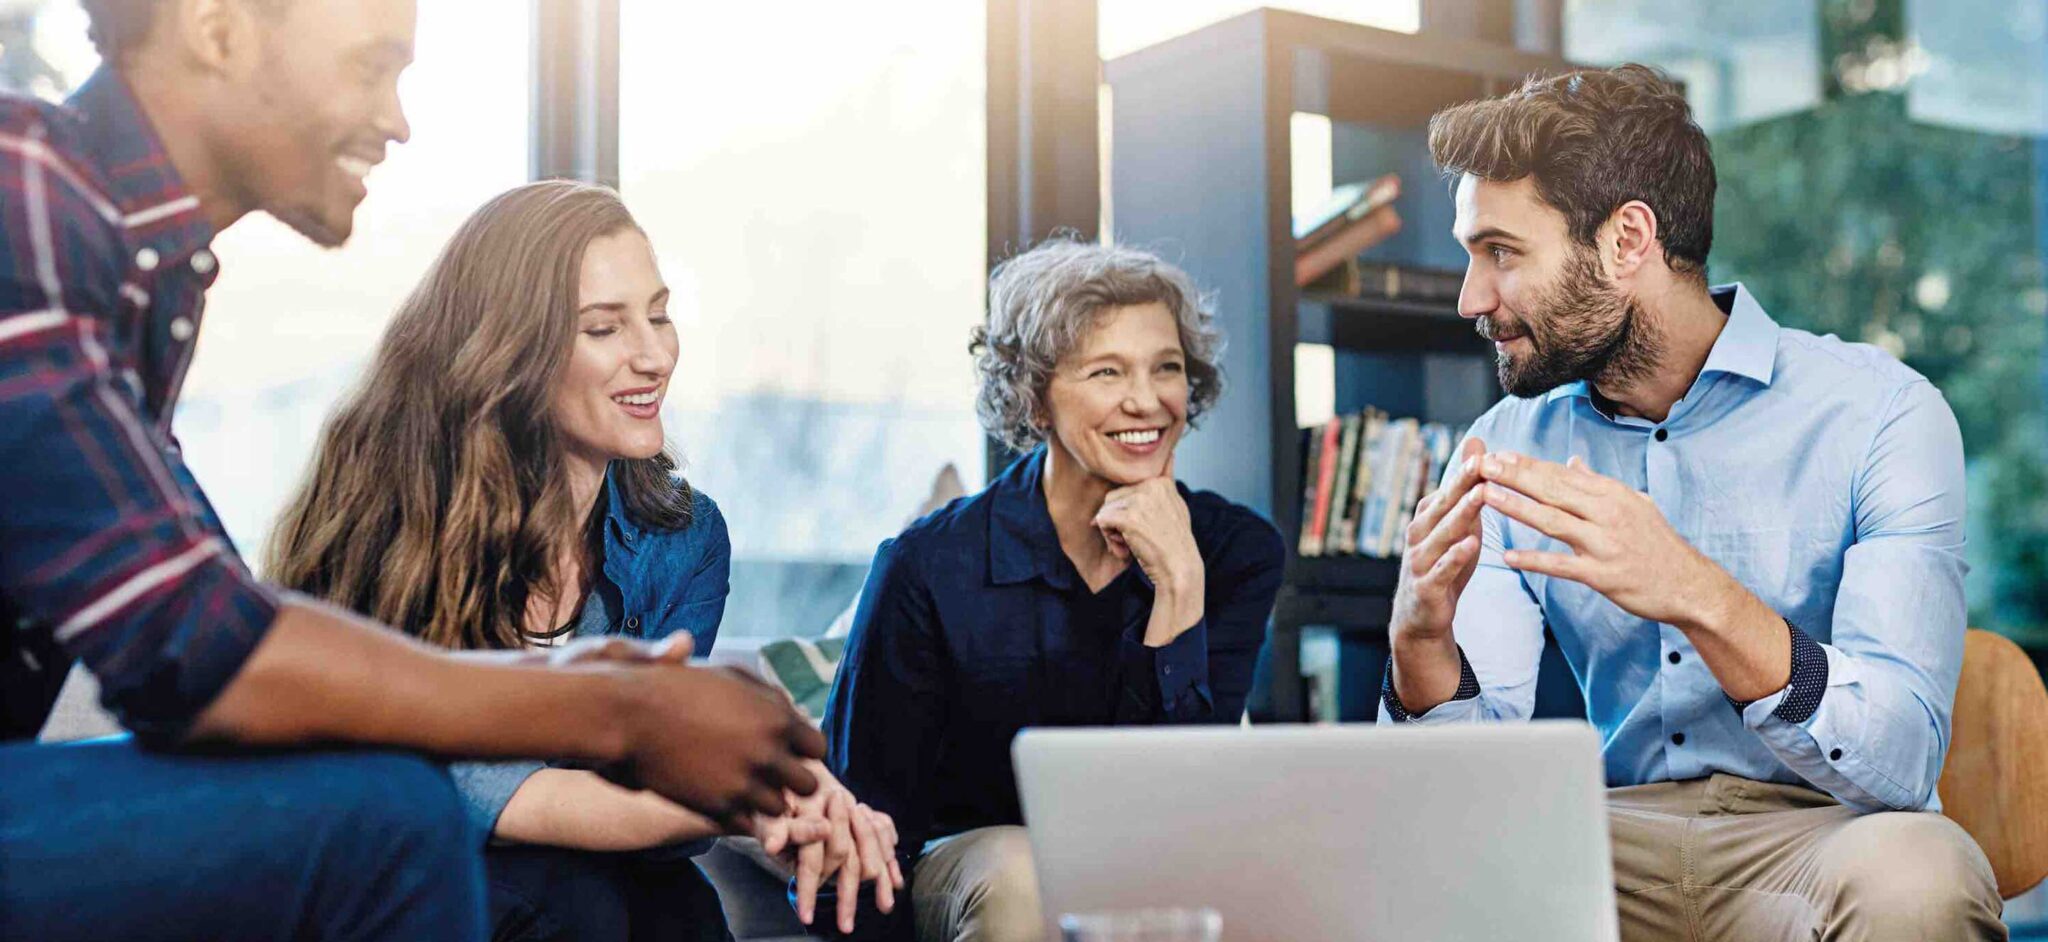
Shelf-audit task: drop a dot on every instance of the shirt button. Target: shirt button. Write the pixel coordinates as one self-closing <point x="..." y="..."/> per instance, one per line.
<point x="181" y="329"/>
<point x="632" y="623"/>
<point x="1662" y="434"/>
<point x="1672" y="657"/>
<point x="202" y="261"/>
<point x="1678" y="739"/>
<point x="146" y="259"/>
<point x="1169" y="670"/>
<point x="1835" y="754"/>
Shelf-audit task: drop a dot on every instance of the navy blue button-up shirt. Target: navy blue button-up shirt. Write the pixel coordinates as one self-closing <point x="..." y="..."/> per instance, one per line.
<point x="108" y="550"/>
<point x="975" y="624"/>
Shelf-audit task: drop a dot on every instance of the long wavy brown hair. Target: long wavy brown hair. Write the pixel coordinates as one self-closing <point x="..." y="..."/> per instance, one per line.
<point x="437" y="500"/>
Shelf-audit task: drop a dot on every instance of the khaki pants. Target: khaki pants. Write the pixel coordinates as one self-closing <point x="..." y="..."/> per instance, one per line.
<point x="1728" y="858"/>
<point x="978" y="886"/>
<point x="1721" y="859"/>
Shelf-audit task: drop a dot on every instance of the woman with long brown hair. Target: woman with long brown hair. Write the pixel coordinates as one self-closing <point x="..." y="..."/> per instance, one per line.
<point x="500" y="480"/>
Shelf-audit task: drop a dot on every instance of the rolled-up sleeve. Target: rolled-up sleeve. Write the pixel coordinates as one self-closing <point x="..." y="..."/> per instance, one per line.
<point x="1870" y="723"/>
<point x="105" y="540"/>
<point x="487" y="787"/>
<point x="710" y="582"/>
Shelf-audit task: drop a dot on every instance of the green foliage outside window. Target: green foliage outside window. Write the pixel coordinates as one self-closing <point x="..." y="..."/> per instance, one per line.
<point x="1851" y="219"/>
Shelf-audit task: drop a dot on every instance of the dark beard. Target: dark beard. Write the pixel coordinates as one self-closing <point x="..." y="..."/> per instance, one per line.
<point x="1579" y="329"/>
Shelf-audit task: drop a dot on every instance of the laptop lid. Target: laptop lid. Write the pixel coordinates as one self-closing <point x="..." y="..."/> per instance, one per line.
<point x="1483" y="831"/>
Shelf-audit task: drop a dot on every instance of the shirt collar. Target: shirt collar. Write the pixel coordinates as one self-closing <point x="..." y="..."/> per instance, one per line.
<point x="1747" y="346"/>
<point x="618" y="523"/>
<point x="157" y="211"/>
<point x="1022" y="544"/>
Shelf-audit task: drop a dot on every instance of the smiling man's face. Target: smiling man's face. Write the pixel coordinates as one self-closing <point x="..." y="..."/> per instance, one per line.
<point x="317" y="111"/>
<point x="1541" y="297"/>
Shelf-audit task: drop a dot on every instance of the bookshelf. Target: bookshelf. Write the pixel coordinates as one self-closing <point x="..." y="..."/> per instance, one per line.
<point x="1200" y="171"/>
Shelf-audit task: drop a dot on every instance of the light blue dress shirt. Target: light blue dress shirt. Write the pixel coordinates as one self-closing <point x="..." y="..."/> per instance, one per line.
<point x="1827" y="477"/>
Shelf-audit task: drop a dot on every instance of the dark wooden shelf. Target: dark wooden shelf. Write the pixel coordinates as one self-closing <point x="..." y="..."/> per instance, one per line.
<point x="1353" y="575"/>
<point x="1346" y="592"/>
<point x="1385" y="325"/>
<point x="1350" y="614"/>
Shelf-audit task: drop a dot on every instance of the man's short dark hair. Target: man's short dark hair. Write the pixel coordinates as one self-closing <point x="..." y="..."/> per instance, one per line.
<point x="1593" y="140"/>
<point x="121" y="26"/>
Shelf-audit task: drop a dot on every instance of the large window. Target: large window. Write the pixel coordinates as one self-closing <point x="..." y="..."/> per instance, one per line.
<point x="1883" y="178"/>
<point x="813" y="179"/>
<point x="289" y="326"/>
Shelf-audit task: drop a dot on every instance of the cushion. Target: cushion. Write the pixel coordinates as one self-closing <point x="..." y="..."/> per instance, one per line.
<point x="803" y="668"/>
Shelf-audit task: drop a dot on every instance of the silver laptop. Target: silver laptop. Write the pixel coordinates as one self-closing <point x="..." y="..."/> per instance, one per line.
<point x="1315" y="833"/>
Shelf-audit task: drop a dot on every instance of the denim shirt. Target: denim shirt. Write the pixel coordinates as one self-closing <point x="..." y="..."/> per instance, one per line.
<point x="652" y="583"/>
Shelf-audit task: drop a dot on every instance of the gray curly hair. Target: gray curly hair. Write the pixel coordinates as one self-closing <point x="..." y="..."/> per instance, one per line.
<point x="1042" y="302"/>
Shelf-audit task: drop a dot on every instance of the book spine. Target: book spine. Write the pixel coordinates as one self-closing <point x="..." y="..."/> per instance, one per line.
<point x="1376" y="500"/>
<point x="1403" y="478"/>
<point x="1420" y="462"/>
<point x="1325" y="478"/>
<point x="1370" y="423"/>
<point x="1376" y="227"/>
<point x="1311" y="468"/>
<point x="1340" y="494"/>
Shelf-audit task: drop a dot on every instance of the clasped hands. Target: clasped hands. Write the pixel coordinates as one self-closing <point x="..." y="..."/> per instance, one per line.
<point x="825" y="835"/>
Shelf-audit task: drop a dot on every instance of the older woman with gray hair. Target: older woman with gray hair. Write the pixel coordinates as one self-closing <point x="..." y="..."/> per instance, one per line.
<point x="1083" y="587"/>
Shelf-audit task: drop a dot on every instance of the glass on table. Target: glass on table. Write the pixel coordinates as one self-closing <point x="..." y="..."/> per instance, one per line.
<point x="1143" y="925"/>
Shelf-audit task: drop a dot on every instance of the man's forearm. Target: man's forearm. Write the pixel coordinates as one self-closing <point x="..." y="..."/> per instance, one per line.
<point x="324" y="675"/>
<point x="1743" y="642"/>
<point x="1426" y="672"/>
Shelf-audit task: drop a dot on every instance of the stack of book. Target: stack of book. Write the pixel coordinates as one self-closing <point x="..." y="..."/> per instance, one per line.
<point x="1362" y="477"/>
<point x="1356" y="217"/>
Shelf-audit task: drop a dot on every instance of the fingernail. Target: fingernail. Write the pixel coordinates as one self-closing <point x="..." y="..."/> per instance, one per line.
<point x="1491" y="462"/>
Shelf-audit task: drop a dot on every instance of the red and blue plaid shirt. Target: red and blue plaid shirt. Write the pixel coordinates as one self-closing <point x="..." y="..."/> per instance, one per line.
<point x="109" y="552"/>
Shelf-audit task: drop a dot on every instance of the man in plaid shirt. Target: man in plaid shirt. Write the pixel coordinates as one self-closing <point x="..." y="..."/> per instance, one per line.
<point x="110" y="554"/>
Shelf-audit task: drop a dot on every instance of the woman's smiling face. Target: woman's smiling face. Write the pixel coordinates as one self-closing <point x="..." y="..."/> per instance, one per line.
<point x="1118" y="403"/>
<point x="607" y="404"/>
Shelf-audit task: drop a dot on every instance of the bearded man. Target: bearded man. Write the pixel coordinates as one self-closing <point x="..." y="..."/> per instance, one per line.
<point x="1747" y="540"/>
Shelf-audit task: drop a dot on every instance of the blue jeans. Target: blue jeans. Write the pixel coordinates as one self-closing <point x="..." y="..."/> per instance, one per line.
<point x="550" y="894"/>
<point x="106" y="840"/>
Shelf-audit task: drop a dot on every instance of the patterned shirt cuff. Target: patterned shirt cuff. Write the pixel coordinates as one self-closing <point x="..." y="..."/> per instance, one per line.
<point x="1809" y="680"/>
<point x="1468" y="687"/>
